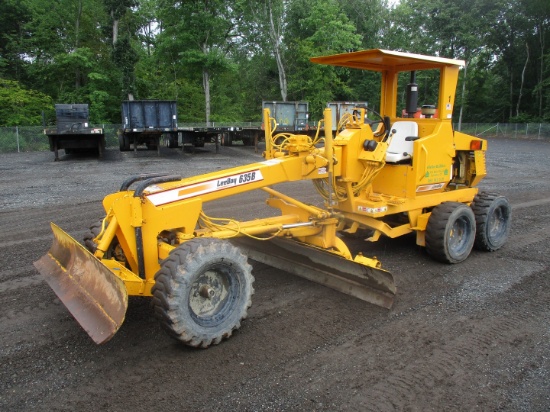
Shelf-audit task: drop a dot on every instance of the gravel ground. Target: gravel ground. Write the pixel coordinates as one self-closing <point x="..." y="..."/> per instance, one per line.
<point x="472" y="336"/>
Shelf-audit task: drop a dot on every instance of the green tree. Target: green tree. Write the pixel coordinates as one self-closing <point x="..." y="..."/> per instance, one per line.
<point x="538" y="13"/>
<point x="123" y="31"/>
<point x="198" y="35"/>
<point x="14" y="16"/>
<point x="263" y="29"/>
<point x="219" y="59"/>
<point x="68" y="53"/>
<point x="370" y="18"/>
<point x="21" y="106"/>
<point x="318" y="27"/>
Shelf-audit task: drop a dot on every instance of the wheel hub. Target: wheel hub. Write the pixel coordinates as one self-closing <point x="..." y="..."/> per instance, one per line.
<point x="458" y="235"/>
<point x="209" y="293"/>
<point x="497" y="223"/>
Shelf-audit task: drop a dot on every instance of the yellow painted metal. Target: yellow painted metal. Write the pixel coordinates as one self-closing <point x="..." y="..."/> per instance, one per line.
<point x="106" y="237"/>
<point x="360" y="187"/>
<point x="391" y="63"/>
<point x="382" y="60"/>
<point x="349" y="170"/>
<point x="268" y="154"/>
<point x="134" y="284"/>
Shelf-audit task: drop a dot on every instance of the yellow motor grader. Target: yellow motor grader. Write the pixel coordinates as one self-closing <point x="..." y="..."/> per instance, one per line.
<point x="377" y="172"/>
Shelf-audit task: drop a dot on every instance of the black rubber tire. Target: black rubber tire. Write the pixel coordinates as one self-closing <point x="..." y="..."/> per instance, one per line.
<point x="202" y="291"/>
<point x="123" y="142"/>
<point x="172" y="141"/>
<point x="92" y="233"/>
<point x="493" y="221"/>
<point x="227" y="140"/>
<point x="450" y="233"/>
<point x="114" y="249"/>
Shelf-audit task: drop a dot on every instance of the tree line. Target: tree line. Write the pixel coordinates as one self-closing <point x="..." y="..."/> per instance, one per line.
<point x="221" y="58"/>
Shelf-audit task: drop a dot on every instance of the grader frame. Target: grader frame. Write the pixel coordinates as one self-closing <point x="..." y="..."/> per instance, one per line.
<point x="157" y="241"/>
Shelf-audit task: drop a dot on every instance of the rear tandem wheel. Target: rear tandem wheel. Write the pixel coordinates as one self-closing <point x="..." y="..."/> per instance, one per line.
<point x="450" y="233"/>
<point x="493" y="220"/>
<point x="123" y="142"/>
<point x="202" y="291"/>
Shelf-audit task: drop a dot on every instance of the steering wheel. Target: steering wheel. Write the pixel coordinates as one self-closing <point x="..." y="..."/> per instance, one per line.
<point x="378" y="119"/>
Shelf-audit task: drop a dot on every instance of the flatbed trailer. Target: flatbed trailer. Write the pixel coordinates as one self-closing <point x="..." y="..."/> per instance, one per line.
<point x="225" y="135"/>
<point x="73" y="132"/>
<point x="145" y="122"/>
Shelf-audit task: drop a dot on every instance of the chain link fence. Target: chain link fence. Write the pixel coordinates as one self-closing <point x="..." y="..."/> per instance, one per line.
<point x="32" y="138"/>
<point x="537" y="131"/>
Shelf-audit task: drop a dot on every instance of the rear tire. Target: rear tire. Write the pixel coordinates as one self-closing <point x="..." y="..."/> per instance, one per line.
<point x="227" y="140"/>
<point x="123" y="142"/>
<point x="493" y="220"/>
<point x="171" y="141"/>
<point x="450" y="233"/>
<point x="202" y="291"/>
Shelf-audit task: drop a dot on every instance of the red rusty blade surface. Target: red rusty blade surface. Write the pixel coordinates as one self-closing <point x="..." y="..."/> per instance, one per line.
<point x="96" y="298"/>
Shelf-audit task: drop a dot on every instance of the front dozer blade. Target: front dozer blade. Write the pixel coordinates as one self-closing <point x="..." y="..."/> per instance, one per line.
<point x="93" y="294"/>
<point x="371" y="284"/>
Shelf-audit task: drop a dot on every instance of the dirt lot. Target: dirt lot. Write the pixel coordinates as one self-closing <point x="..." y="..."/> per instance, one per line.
<point x="473" y="336"/>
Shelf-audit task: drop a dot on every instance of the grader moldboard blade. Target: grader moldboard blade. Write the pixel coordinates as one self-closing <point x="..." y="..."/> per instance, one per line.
<point x="95" y="297"/>
<point x="373" y="285"/>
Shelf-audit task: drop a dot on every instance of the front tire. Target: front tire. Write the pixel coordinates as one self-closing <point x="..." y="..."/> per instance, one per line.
<point x="202" y="291"/>
<point x="93" y="231"/>
<point x="450" y="233"/>
<point x="493" y="220"/>
<point x="114" y="250"/>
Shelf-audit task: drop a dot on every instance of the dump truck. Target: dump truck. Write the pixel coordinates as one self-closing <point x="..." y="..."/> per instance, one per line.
<point x="379" y="173"/>
<point x="145" y="121"/>
<point x="340" y="110"/>
<point x="290" y="116"/>
<point x="73" y="132"/>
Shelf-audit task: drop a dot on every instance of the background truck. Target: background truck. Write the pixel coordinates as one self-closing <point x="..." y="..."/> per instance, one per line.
<point x="340" y="109"/>
<point x="145" y="121"/>
<point x="225" y="135"/>
<point x="73" y="132"/>
<point x="290" y="116"/>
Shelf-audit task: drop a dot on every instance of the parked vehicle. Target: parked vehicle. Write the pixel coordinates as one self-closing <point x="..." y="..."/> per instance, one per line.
<point x="145" y="121"/>
<point x="290" y="116"/>
<point x="339" y="111"/>
<point x="73" y="132"/>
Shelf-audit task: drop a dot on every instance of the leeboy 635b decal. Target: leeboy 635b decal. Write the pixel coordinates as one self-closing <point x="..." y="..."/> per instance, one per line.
<point x="197" y="189"/>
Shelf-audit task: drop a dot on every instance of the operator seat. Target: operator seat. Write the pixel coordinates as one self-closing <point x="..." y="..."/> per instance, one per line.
<point x="403" y="134"/>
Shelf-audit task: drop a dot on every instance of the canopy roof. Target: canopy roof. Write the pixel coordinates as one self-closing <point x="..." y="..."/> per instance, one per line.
<point x="382" y="60"/>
